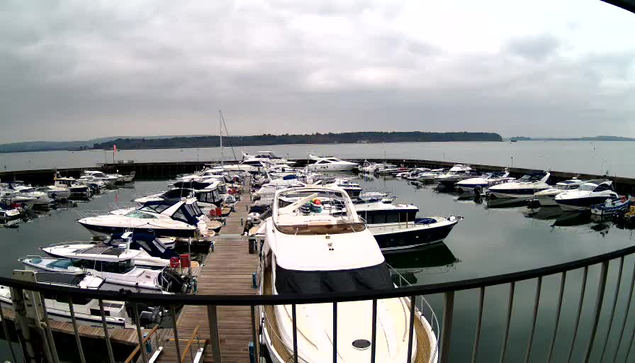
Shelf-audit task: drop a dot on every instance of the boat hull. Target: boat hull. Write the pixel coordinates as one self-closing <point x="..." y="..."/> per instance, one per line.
<point x="401" y="239"/>
<point x="101" y="231"/>
<point x="580" y="204"/>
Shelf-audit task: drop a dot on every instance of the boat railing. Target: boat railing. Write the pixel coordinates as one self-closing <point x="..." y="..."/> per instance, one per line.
<point x="593" y="324"/>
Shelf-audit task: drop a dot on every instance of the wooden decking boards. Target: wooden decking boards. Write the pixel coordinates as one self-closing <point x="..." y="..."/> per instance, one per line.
<point x="226" y="271"/>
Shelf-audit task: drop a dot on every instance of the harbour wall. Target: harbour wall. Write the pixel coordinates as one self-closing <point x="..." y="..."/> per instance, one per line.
<point x="167" y="170"/>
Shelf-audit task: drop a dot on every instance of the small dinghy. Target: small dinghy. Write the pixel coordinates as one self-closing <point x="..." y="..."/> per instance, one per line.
<point x="611" y="207"/>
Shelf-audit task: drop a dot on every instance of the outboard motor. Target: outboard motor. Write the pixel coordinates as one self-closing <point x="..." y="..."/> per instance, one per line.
<point x="172" y="282"/>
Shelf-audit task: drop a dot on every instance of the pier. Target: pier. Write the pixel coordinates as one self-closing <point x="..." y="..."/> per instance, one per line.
<point x="227" y="270"/>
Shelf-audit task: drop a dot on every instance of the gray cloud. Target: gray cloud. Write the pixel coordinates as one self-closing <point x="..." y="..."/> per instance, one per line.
<point x="73" y="70"/>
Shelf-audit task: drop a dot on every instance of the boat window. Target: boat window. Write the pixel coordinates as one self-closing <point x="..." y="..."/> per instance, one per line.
<point x="155" y="208"/>
<point x="587" y="187"/>
<point x="602" y="187"/>
<point x="98" y="312"/>
<point x="141" y="215"/>
<point x="120" y="267"/>
<point x="180" y="216"/>
<point x="83" y="263"/>
<point x="394" y="218"/>
<point x="318" y="282"/>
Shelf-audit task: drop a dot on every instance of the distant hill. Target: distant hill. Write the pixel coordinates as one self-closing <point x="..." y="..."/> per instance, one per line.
<point x="317" y="138"/>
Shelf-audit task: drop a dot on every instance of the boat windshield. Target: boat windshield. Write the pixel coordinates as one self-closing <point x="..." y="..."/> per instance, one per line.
<point x="318" y="282"/>
<point x="587" y="187"/>
<point x="141" y="215"/>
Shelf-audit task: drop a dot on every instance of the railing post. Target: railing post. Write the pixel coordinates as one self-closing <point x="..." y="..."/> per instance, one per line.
<point x="22" y="324"/>
<point x="6" y="334"/>
<point x="479" y="322"/>
<point x="78" y="339"/>
<point x="510" y="306"/>
<point x="111" y="356"/>
<point x="577" y="320"/>
<point x="533" y="321"/>
<point x="628" y="308"/>
<point x="597" y="309"/>
<point x="213" y="333"/>
<point x="47" y="329"/>
<point x="335" y="332"/>
<point x="558" y="312"/>
<point x="446" y="332"/>
<point x="254" y="332"/>
<point x="175" y="331"/>
<point x="373" y="344"/>
<point x="615" y="299"/>
<point x="295" y="333"/>
<point x="411" y="325"/>
<point x="144" y="356"/>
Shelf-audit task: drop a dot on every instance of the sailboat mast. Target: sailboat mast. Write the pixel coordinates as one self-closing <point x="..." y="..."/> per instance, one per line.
<point x="220" y="134"/>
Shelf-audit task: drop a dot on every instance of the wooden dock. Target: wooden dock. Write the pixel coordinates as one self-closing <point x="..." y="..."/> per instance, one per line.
<point x="226" y="271"/>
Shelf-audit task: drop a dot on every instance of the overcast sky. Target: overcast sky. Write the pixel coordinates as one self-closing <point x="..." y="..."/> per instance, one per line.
<point x="72" y="70"/>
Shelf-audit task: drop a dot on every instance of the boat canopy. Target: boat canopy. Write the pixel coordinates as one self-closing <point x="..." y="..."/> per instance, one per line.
<point x="144" y="241"/>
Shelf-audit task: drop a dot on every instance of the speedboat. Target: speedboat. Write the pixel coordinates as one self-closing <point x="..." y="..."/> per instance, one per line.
<point x="9" y="213"/>
<point x="374" y="168"/>
<point x="396" y="228"/>
<point x="114" y="265"/>
<point x="18" y="193"/>
<point x="108" y="179"/>
<point x="590" y="193"/>
<point x="86" y="311"/>
<point x="547" y="197"/>
<point x="523" y="188"/>
<point x="164" y="218"/>
<point x="485" y="181"/>
<point x="263" y="157"/>
<point x="429" y="176"/>
<point x="152" y="252"/>
<point x="208" y="196"/>
<point x="312" y="247"/>
<point x="330" y="163"/>
<point x="456" y="173"/>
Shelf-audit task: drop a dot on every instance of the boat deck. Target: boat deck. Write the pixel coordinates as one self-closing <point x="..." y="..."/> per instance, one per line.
<point x="227" y="270"/>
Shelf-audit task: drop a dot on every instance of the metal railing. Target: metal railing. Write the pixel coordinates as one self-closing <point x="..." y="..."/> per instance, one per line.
<point x="596" y="343"/>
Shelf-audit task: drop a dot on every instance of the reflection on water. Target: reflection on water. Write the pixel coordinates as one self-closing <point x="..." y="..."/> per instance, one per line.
<point x="505" y="203"/>
<point x="436" y="258"/>
<point x="544" y="213"/>
<point x="572" y="219"/>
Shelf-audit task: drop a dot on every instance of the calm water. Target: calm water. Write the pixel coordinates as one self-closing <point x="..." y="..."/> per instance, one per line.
<point x="489" y="241"/>
<point x="574" y="156"/>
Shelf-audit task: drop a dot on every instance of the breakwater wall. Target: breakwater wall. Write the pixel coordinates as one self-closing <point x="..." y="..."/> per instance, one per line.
<point x="167" y="170"/>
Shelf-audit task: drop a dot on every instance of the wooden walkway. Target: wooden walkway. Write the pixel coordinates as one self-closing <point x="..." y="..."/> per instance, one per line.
<point x="226" y="271"/>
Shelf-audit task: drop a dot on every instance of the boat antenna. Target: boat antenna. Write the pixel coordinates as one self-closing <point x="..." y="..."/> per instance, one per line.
<point x="224" y="124"/>
<point x="220" y="135"/>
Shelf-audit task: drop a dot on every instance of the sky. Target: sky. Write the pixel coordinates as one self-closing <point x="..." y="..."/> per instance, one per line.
<point x="75" y="70"/>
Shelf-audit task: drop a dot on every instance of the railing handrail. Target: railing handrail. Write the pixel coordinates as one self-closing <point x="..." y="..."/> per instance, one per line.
<point x="251" y="300"/>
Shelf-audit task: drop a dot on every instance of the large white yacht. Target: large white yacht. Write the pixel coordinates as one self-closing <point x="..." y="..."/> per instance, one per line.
<point x="523" y="188"/>
<point x="330" y="163"/>
<point x="162" y="218"/>
<point x="456" y="173"/>
<point x="315" y="248"/>
<point x="588" y="194"/>
<point x="109" y="180"/>
<point x="547" y="197"/>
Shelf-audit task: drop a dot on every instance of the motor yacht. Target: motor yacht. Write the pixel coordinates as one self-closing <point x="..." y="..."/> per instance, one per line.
<point x="152" y="252"/>
<point x="330" y="163"/>
<point x="315" y="248"/>
<point x="588" y="194"/>
<point x="523" y="188"/>
<point x="9" y="213"/>
<point x="24" y="194"/>
<point x="547" y="197"/>
<point x="164" y="218"/>
<point x="263" y="157"/>
<point x="429" y="176"/>
<point x="108" y="179"/>
<point x="396" y="227"/>
<point x="484" y="181"/>
<point x="113" y="264"/>
<point x="456" y="173"/>
<point x="374" y="168"/>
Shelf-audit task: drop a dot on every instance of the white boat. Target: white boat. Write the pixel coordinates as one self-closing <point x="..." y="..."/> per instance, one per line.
<point x="588" y="194"/>
<point x="396" y="227"/>
<point x="263" y="158"/>
<point x="114" y="265"/>
<point x="353" y="189"/>
<point x="208" y="197"/>
<point x="429" y="176"/>
<point x="87" y="311"/>
<point x="164" y="218"/>
<point x="485" y="181"/>
<point x="152" y="252"/>
<point x="108" y="179"/>
<point x="24" y="194"/>
<point x="456" y="173"/>
<point x="330" y="163"/>
<point x="547" y="197"/>
<point x="8" y="213"/>
<point x="56" y="192"/>
<point x="325" y="248"/>
<point x="523" y="188"/>
<point x="374" y="168"/>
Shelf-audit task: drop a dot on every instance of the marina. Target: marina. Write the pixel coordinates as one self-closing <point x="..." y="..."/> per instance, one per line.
<point x="228" y="269"/>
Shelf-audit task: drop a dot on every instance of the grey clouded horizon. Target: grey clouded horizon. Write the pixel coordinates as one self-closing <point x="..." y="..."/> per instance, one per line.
<point x="75" y="70"/>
